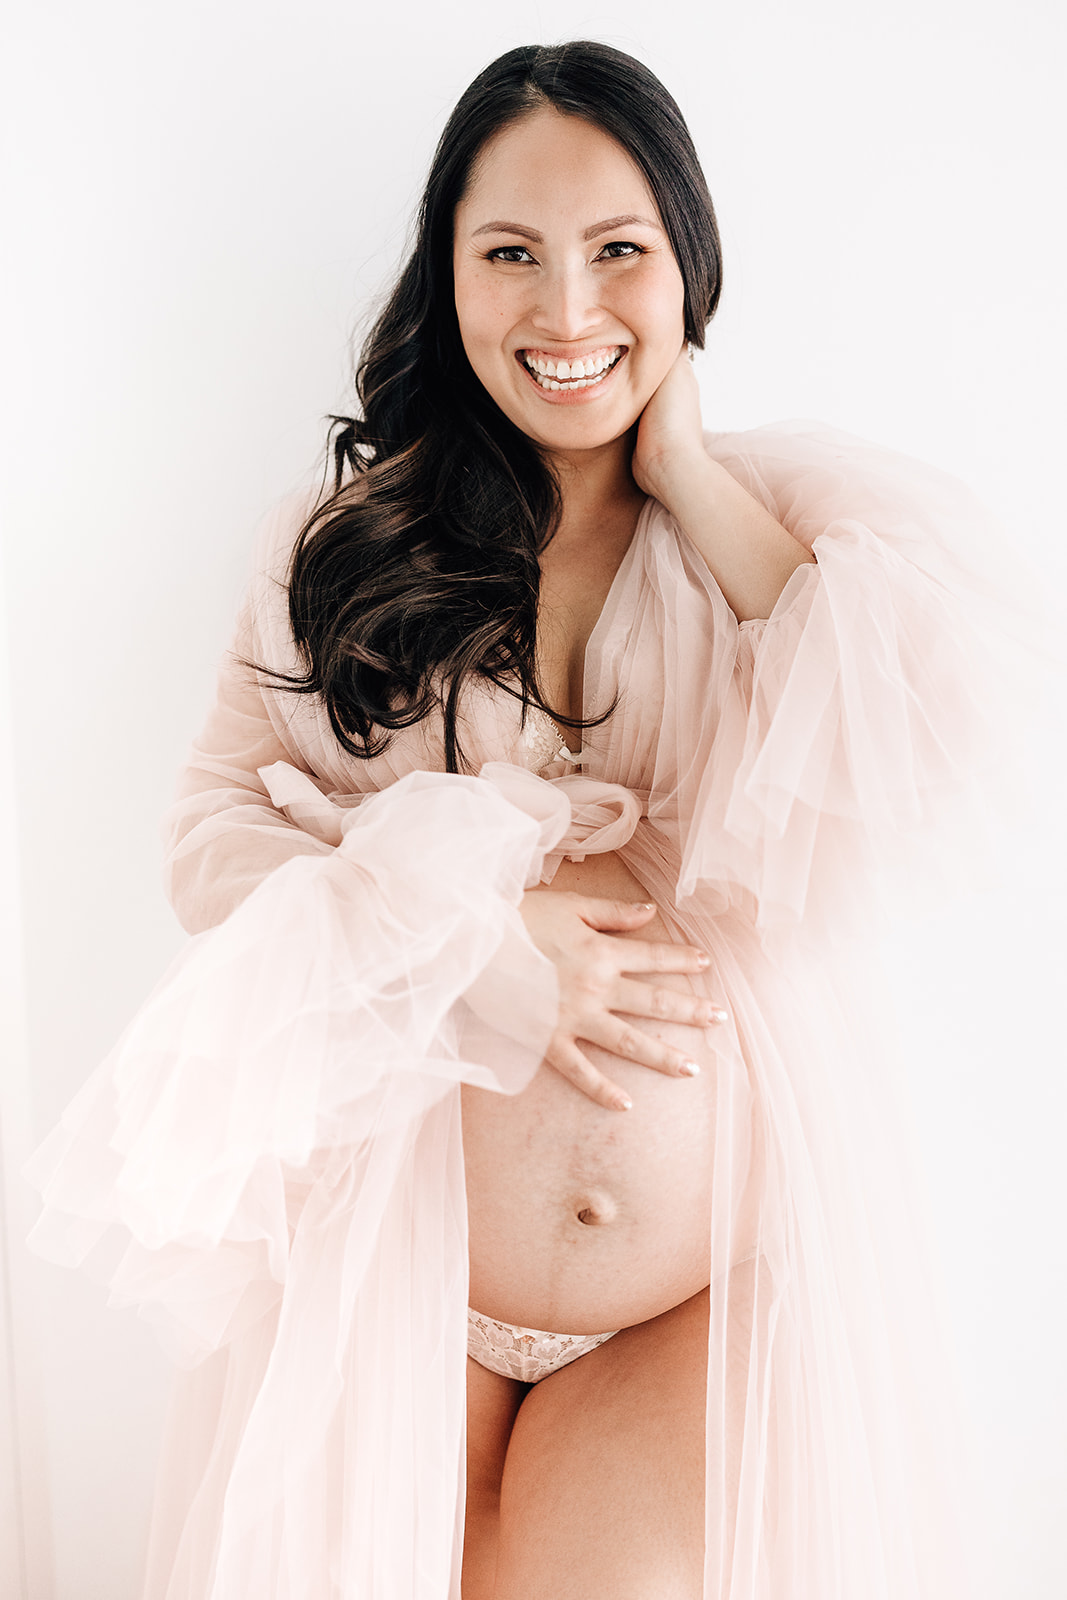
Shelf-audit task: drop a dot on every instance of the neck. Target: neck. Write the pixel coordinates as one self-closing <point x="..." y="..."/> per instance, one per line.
<point x="596" y="486"/>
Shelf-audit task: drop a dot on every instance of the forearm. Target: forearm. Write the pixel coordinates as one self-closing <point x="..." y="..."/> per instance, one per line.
<point x="748" y="552"/>
<point x="226" y="831"/>
<point x="219" y="851"/>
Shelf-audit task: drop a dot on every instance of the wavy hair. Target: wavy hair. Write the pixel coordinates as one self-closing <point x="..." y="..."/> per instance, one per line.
<point x="419" y="568"/>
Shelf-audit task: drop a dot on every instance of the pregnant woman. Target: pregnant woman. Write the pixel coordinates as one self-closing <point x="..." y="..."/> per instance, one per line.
<point x="511" y="1155"/>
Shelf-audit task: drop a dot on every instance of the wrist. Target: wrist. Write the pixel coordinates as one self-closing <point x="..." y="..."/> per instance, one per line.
<point x="677" y="477"/>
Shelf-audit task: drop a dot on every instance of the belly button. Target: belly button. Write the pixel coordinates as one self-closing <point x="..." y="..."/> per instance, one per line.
<point x="597" y="1209"/>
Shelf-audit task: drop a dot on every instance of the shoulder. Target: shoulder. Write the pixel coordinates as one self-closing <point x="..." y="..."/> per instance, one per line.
<point x="816" y="478"/>
<point x="263" y="621"/>
<point x="817" y="455"/>
<point x="279" y="529"/>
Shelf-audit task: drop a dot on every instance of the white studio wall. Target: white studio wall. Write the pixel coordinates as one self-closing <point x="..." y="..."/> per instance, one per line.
<point x="206" y="201"/>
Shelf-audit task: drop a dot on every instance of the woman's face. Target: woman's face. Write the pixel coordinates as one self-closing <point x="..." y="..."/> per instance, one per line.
<point x="560" y="256"/>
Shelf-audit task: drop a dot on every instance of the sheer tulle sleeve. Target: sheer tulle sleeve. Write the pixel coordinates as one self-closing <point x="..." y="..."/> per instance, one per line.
<point x="343" y="998"/>
<point x="269" y="1166"/>
<point x="866" y="707"/>
<point x="225" y="833"/>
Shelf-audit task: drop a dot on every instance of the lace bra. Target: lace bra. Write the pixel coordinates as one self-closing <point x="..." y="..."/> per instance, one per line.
<point x="542" y="744"/>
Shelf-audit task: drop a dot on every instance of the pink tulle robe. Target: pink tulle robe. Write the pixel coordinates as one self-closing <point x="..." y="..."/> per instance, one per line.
<point x="274" y="1147"/>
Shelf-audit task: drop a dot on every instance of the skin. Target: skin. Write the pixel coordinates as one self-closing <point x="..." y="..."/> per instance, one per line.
<point x="591" y="1484"/>
<point x="543" y="264"/>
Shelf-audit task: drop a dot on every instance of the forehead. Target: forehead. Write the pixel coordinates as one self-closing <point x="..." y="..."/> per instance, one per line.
<point x="548" y="168"/>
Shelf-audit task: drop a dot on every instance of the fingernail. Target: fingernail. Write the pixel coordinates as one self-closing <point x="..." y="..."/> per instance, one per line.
<point x="703" y="959"/>
<point x="623" y="1103"/>
<point x="719" y="1015"/>
<point x="643" y="905"/>
<point x="689" y="1069"/>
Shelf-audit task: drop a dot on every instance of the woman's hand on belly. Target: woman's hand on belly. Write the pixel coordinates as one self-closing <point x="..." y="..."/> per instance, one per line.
<point x="592" y="943"/>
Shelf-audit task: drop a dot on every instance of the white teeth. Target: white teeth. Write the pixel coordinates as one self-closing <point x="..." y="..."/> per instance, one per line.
<point x="577" y="374"/>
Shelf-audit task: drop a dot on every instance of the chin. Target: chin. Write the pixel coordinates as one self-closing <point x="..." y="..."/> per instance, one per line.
<point x="574" y="427"/>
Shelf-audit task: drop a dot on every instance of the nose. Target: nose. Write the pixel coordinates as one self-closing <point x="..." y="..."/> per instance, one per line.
<point x="567" y="306"/>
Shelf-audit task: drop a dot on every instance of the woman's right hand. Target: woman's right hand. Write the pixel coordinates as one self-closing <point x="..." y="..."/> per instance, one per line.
<point x="597" y="982"/>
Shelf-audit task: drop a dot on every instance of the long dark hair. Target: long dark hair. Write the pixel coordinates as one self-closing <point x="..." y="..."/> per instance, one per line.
<point x="419" y="567"/>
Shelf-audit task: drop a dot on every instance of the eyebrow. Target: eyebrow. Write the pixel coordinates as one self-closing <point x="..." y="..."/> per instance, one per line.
<point x="607" y="226"/>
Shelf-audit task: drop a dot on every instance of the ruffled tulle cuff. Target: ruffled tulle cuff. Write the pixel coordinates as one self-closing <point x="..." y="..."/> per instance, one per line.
<point x="862" y="734"/>
<point x="329" y="1007"/>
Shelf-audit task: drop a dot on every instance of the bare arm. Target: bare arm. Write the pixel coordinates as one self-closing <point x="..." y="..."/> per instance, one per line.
<point x="748" y="552"/>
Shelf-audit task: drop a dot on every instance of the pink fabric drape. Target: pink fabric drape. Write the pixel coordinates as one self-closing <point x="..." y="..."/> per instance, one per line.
<point x="276" y="1141"/>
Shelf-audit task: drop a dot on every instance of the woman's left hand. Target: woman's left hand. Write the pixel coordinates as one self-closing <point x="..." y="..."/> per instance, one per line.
<point x="670" y="432"/>
<point x="746" y="549"/>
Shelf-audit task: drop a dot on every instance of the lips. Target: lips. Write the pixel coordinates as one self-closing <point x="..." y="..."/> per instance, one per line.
<point x="565" y="373"/>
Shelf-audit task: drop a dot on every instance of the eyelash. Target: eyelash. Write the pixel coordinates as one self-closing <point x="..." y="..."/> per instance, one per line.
<point x="504" y="250"/>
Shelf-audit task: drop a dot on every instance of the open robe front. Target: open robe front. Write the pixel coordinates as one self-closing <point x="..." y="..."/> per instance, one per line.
<point x="277" y="1137"/>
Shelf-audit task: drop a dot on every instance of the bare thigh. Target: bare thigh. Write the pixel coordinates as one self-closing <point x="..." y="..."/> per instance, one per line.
<point x="602" y="1491"/>
<point x="493" y="1403"/>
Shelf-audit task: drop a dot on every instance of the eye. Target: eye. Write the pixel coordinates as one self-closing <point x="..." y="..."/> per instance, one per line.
<point x="620" y="249"/>
<point x="509" y="252"/>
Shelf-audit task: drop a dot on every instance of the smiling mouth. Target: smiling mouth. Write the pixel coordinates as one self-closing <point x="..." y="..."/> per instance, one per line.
<point x="584" y="372"/>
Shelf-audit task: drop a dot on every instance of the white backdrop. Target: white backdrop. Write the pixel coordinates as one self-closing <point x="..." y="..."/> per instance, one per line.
<point x="205" y="199"/>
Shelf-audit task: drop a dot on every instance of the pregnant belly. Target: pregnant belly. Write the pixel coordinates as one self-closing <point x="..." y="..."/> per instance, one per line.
<point x="584" y="1219"/>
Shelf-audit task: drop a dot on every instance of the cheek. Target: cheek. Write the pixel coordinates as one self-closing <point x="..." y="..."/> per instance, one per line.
<point x="482" y="309"/>
<point x="658" y="305"/>
<point x="659" y="327"/>
<point x="663" y="292"/>
<point x="653" y="310"/>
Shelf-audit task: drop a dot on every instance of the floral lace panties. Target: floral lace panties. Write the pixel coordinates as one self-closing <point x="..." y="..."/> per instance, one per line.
<point x="528" y="1354"/>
